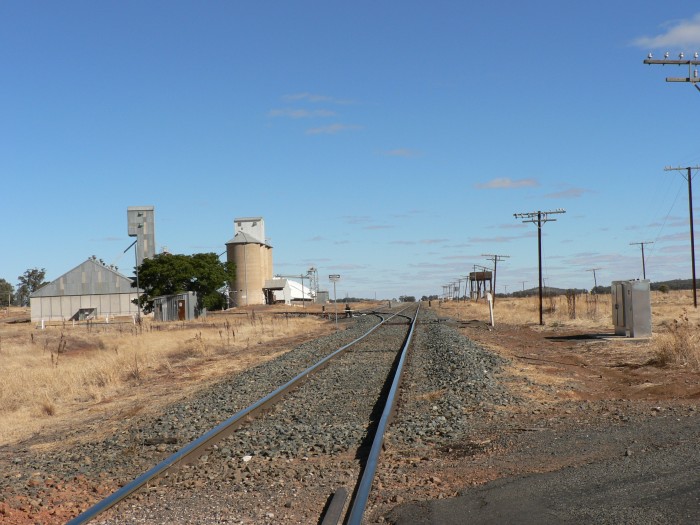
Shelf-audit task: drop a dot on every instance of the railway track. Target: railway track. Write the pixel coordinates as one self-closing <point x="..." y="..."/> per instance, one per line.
<point x="309" y="456"/>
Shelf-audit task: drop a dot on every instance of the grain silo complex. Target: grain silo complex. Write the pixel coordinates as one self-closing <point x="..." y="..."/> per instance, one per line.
<point x="251" y="254"/>
<point x="142" y="225"/>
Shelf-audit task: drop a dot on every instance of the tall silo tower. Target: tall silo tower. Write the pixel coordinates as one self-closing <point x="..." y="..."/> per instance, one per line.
<point x="142" y="225"/>
<point x="252" y="256"/>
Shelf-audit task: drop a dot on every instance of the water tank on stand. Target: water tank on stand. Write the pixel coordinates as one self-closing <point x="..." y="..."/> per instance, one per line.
<point x="631" y="308"/>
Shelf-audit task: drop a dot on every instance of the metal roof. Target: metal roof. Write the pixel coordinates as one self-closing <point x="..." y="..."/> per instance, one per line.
<point x="245" y="238"/>
<point x="275" y="284"/>
<point x="88" y="278"/>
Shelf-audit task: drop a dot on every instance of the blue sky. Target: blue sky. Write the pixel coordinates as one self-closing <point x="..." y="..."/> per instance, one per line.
<point x="389" y="142"/>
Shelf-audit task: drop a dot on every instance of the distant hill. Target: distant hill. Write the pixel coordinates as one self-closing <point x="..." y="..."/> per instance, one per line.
<point x="546" y="291"/>
<point x="675" y="284"/>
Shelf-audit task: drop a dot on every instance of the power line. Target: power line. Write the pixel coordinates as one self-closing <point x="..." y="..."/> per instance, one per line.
<point x="689" y="178"/>
<point x="644" y="266"/>
<point x="595" y="282"/>
<point x="692" y="77"/>
<point x="494" y="258"/>
<point x="539" y="218"/>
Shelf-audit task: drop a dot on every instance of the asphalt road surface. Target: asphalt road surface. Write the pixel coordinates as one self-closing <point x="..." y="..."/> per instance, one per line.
<point x="650" y="476"/>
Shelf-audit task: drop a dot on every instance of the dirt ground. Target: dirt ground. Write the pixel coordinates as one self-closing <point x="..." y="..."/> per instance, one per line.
<point x="587" y="397"/>
<point x="569" y="379"/>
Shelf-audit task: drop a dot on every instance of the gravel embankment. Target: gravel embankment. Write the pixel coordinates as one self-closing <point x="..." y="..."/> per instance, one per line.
<point x="278" y="468"/>
<point x="284" y="466"/>
<point x="144" y="441"/>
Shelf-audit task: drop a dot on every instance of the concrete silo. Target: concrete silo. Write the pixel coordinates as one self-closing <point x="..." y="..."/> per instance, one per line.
<point x="253" y="259"/>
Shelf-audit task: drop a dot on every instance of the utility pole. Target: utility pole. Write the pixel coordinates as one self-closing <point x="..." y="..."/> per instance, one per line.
<point x="539" y="218"/>
<point x="689" y="178"/>
<point x="494" y="258"/>
<point x="692" y="77"/>
<point x="644" y="266"/>
<point x="595" y="282"/>
<point x="523" y="285"/>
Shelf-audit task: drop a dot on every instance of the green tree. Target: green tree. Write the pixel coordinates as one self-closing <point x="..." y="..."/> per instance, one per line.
<point x="167" y="274"/>
<point x="7" y="292"/>
<point x="29" y="282"/>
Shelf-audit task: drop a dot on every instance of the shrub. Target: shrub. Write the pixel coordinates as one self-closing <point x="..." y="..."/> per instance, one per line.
<point x="680" y="346"/>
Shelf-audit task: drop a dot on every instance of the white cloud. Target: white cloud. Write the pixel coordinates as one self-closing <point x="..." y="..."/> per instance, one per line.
<point x="677" y="34"/>
<point x="300" y="113"/>
<point x="571" y="193"/>
<point x="506" y="183"/>
<point x="401" y="152"/>
<point x="331" y="129"/>
<point x="311" y="97"/>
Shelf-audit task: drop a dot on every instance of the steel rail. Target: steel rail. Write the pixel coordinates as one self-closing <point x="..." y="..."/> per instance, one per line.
<point x="211" y="436"/>
<point x="359" y="502"/>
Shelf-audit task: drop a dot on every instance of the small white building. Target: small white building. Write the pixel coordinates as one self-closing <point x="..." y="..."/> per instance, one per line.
<point x="282" y="290"/>
<point x="91" y="290"/>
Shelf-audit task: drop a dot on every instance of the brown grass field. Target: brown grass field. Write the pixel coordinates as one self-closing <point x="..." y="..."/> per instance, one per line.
<point x="66" y="375"/>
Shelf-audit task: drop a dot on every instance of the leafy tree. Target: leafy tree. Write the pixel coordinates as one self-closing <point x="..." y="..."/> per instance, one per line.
<point x="167" y="274"/>
<point x="29" y="282"/>
<point x="7" y="292"/>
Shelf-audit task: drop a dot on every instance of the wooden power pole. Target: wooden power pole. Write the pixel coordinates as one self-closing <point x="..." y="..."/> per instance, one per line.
<point x="538" y="218"/>
<point x="689" y="178"/>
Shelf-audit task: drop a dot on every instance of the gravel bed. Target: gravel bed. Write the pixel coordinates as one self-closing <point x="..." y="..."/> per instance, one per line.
<point x="450" y="383"/>
<point x="145" y="441"/>
<point x="283" y="467"/>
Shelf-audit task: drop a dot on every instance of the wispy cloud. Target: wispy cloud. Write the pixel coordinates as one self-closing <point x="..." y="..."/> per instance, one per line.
<point x="311" y="97"/>
<point x="515" y="226"/>
<point x="107" y="239"/>
<point x="301" y="113"/>
<point x="571" y="193"/>
<point x="502" y="238"/>
<point x="401" y="152"/>
<point x="506" y="183"/>
<point x="332" y="129"/>
<point x="356" y="219"/>
<point x="433" y="241"/>
<point x="676" y="33"/>
<point x="378" y="227"/>
<point x="403" y="243"/>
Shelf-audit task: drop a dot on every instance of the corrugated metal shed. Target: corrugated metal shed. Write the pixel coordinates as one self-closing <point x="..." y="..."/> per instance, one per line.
<point x="91" y="289"/>
<point x="177" y="307"/>
<point x="88" y="278"/>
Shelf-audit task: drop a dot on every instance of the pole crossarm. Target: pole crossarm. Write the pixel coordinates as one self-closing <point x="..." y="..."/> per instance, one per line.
<point x="494" y="258"/>
<point x="539" y="217"/>
<point x="692" y="77"/>
<point x="644" y="266"/>
<point x="595" y="281"/>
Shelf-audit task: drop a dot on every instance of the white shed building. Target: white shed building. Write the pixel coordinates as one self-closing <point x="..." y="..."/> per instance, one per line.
<point x="282" y="290"/>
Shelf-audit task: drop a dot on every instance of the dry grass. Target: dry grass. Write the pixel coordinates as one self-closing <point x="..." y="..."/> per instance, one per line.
<point x="53" y="373"/>
<point x="680" y="345"/>
<point x="581" y="311"/>
<point x="675" y="323"/>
